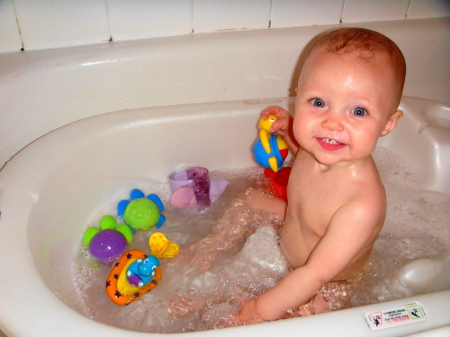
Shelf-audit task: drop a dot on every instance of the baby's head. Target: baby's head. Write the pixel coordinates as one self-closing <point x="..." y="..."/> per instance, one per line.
<point x="348" y="94"/>
<point x="369" y="47"/>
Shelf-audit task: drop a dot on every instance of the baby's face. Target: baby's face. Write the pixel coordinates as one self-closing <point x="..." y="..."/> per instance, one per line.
<point x="344" y="104"/>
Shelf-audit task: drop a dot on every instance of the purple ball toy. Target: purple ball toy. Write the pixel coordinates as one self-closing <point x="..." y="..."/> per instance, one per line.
<point x="107" y="245"/>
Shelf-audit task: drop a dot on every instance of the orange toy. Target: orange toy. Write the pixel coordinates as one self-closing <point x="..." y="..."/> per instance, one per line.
<point x="136" y="273"/>
<point x="116" y="289"/>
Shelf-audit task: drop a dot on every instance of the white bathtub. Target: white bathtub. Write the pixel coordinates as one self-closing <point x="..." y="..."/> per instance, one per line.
<point x="49" y="188"/>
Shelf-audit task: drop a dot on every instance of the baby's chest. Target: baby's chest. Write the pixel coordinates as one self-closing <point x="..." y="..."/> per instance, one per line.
<point x="318" y="202"/>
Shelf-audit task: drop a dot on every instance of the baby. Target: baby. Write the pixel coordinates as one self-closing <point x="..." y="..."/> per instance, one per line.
<point x="347" y="97"/>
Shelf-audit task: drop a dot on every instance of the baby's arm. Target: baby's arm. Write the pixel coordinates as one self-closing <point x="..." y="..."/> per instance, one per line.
<point x="350" y="235"/>
<point x="283" y="126"/>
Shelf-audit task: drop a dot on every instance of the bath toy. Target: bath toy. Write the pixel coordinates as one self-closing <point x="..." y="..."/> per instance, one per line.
<point x="194" y="187"/>
<point x="161" y="246"/>
<point x="141" y="271"/>
<point x="136" y="273"/>
<point x="141" y="212"/>
<point x="109" y="241"/>
<point x="119" y="290"/>
<point x="278" y="181"/>
<point x="269" y="151"/>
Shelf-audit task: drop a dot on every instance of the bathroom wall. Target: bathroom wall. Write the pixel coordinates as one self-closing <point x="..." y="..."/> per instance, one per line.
<point x="45" y="24"/>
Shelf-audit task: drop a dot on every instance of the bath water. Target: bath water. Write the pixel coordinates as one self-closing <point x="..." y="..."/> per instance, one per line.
<point x="416" y="227"/>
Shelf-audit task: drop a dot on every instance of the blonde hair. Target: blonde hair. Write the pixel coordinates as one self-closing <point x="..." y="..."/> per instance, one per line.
<point x="367" y="44"/>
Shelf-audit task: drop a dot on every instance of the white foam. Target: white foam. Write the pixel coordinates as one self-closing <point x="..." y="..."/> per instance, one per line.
<point x="416" y="228"/>
<point x="411" y="210"/>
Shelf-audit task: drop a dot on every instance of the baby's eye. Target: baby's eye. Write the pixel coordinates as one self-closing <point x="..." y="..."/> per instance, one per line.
<point x="359" y="111"/>
<point x="317" y="102"/>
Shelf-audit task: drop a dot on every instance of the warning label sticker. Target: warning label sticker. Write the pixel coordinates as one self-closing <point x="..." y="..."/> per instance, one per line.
<point x="388" y="318"/>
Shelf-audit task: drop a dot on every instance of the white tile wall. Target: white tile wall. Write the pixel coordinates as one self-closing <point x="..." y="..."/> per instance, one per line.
<point x="59" y="23"/>
<point x="9" y="31"/>
<point x="374" y="10"/>
<point x="140" y="19"/>
<point x="428" y="9"/>
<point x="50" y="23"/>
<point x="288" y="13"/>
<point x="213" y="15"/>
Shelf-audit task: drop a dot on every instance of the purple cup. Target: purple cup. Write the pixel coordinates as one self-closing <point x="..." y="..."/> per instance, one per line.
<point x="201" y="184"/>
<point x="198" y="179"/>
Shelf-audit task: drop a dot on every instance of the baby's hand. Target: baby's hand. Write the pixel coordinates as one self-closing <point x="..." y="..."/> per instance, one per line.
<point x="247" y="314"/>
<point x="282" y="125"/>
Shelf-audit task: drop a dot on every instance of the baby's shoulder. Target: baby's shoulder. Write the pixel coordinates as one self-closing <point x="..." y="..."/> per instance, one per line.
<point x="366" y="204"/>
<point x="367" y="188"/>
<point x="365" y="191"/>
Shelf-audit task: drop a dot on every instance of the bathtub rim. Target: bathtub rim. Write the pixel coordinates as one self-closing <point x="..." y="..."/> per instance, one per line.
<point x="424" y="121"/>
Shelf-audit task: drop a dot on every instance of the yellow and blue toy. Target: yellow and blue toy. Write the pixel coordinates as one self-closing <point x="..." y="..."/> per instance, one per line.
<point x="137" y="273"/>
<point x="270" y="151"/>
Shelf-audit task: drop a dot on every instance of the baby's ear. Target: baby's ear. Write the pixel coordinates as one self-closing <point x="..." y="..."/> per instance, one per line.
<point x="392" y="122"/>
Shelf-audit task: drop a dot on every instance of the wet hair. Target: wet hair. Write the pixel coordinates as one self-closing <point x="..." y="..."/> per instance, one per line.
<point x="367" y="44"/>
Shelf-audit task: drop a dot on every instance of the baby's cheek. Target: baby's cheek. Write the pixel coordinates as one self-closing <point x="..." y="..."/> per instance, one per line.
<point x="301" y="131"/>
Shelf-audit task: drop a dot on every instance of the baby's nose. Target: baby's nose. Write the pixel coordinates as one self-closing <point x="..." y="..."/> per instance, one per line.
<point x="332" y="121"/>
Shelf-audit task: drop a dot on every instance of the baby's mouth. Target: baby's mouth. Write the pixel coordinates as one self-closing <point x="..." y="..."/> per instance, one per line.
<point x="330" y="144"/>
